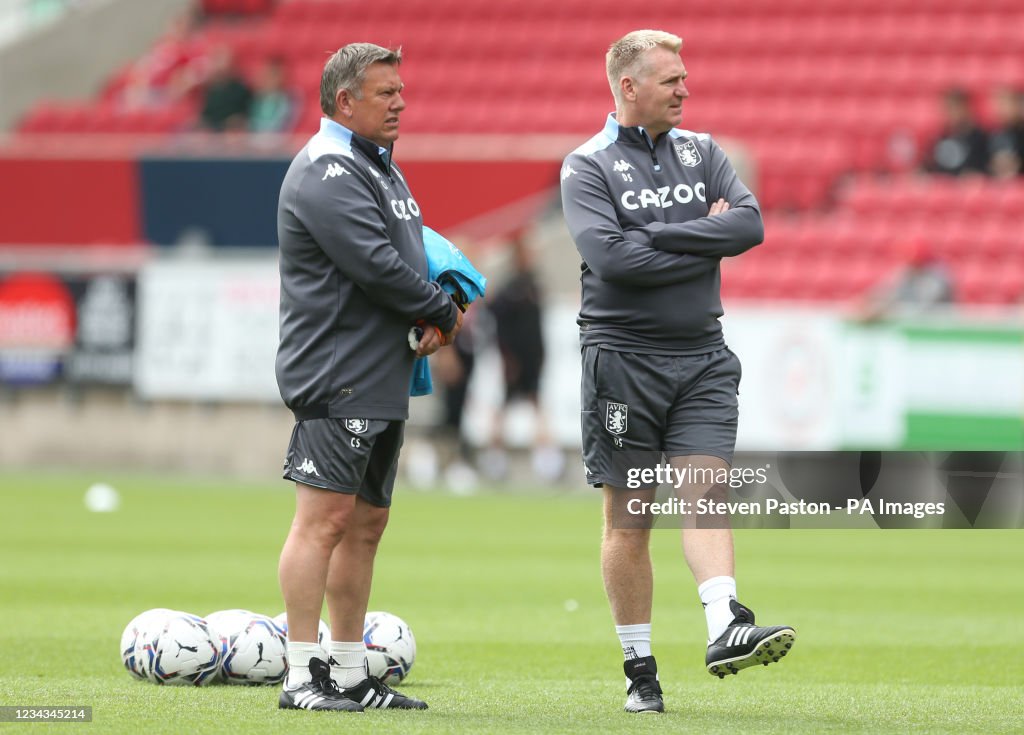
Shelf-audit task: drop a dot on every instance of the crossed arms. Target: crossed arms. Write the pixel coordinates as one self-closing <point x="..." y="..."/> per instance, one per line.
<point x="659" y="253"/>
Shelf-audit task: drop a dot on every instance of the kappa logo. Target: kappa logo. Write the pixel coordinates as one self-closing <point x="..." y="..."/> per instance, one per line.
<point x="621" y="167"/>
<point x="308" y="467"/>
<point x="335" y="169"/>
<point x="567" y="171"/>
<point x="688" y="153"/>
<point x="357" y="426"/>
<point x="616" y="420"/>
<point x="378" y="176"/>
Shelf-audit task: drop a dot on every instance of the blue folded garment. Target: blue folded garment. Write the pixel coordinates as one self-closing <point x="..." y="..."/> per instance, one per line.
<point x="421" y="384"/>
<point x="449" y="267"/>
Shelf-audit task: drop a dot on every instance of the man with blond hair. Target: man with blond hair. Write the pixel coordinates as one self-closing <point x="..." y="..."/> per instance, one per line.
<point x="653" y="209"/>
<point x="353" y="285"/>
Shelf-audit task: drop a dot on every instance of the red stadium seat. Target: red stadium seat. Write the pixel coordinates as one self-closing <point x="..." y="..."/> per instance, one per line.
<point x="815" y="90"/>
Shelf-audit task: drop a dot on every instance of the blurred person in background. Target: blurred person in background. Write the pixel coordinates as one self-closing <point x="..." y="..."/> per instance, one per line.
<point x="922" y="283"/>
<point x="652" y="209"/>
<point x="1006" y="144"/>
<point x="227" y="98"/>
<point x="353" y="283"/>
<point x="171" y="70"/>
<point x="273" y="105"/>
<point x="453" y="369"/>
<point x="962" y="145"/>
<point x="518" y="312"/>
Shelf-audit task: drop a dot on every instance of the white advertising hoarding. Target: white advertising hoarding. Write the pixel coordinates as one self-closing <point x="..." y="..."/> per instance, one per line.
<point x="208" y="331"/>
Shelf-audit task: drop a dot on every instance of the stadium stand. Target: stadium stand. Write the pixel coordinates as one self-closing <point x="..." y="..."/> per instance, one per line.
<point x="835" y="105"/>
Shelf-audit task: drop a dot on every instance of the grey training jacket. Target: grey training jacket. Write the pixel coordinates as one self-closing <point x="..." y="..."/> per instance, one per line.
<point x="637" y="210"/>
<point x="353" y="280"/>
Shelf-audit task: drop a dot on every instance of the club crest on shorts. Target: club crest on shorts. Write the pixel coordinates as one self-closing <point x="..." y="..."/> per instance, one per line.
<point x="616" y="419"/>
<point x="357" y="426"/>
<point x="688" y="153"/>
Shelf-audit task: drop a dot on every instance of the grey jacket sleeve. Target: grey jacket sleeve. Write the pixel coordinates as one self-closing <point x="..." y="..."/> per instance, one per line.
<point x="614" y="257"/>
<point x="731" y="233"/>
<point x="346" y="220"/>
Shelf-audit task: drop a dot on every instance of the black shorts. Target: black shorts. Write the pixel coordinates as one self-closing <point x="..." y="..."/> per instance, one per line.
<point x="639" y="407"/>
<point x="352" y="456"/>
<point x="522" y="375"/>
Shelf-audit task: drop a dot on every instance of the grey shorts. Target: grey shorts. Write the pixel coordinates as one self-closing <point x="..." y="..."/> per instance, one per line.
<point x="352" y="456"/>
<point x="638" y="407"/>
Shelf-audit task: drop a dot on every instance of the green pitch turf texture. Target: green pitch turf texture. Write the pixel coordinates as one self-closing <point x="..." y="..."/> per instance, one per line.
<point x="898" y="631"/>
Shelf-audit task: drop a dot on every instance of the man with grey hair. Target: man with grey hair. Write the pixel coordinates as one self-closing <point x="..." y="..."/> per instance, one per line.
<point x="653" y="209"/>
<point x="353" y="286"/>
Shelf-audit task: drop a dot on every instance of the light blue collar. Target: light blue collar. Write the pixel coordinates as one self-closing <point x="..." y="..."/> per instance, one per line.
<point x="334" y="129"/>
<point x="331" y="129"/>
<point x="611" y="127"/>
<point x="613" y="131"/>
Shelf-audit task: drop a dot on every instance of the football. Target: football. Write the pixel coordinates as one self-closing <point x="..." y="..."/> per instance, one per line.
<point x="183" y="651"/>
<point x="134" y="637"/>
<point x="228" y="624"/>
<point x="390" y="646"/>
<point x="256" y="654"/>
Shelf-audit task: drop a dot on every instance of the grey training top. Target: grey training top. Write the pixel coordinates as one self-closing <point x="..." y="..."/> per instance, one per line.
<point x="353" y="280"/>
<point x="638" y="211"/>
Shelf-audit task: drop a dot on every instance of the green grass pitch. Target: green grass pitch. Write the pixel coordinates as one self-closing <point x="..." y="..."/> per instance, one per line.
<point x="898" y="631"/>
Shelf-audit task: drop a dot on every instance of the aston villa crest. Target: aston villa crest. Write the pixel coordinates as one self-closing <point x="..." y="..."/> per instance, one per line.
<point x="617" y="418"/>
<point x="688" y="153"/>
<point x="357" y="426"/>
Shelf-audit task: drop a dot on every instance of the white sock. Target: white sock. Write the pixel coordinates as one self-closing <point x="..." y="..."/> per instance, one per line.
<point x="348" y="663"/>
<point x="299" y="654"/>
<point x="716" y="593"/>
<point x="635" y="639"/>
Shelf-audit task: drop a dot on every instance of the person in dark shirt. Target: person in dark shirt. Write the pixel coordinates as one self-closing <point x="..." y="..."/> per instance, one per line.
<point x="921" y="285"/>
<point x="962" y="146"/>
<point x="518" y="312"/>
<point x="1006" y="145"/>
<point x="353" y="284"/>
<point x="653" y="209"/>
<point x="227" y="98"/>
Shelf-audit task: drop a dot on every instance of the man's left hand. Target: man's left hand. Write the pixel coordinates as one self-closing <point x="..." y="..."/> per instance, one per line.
<point x="719" y="207"/>
<point x="430" y="342"/>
